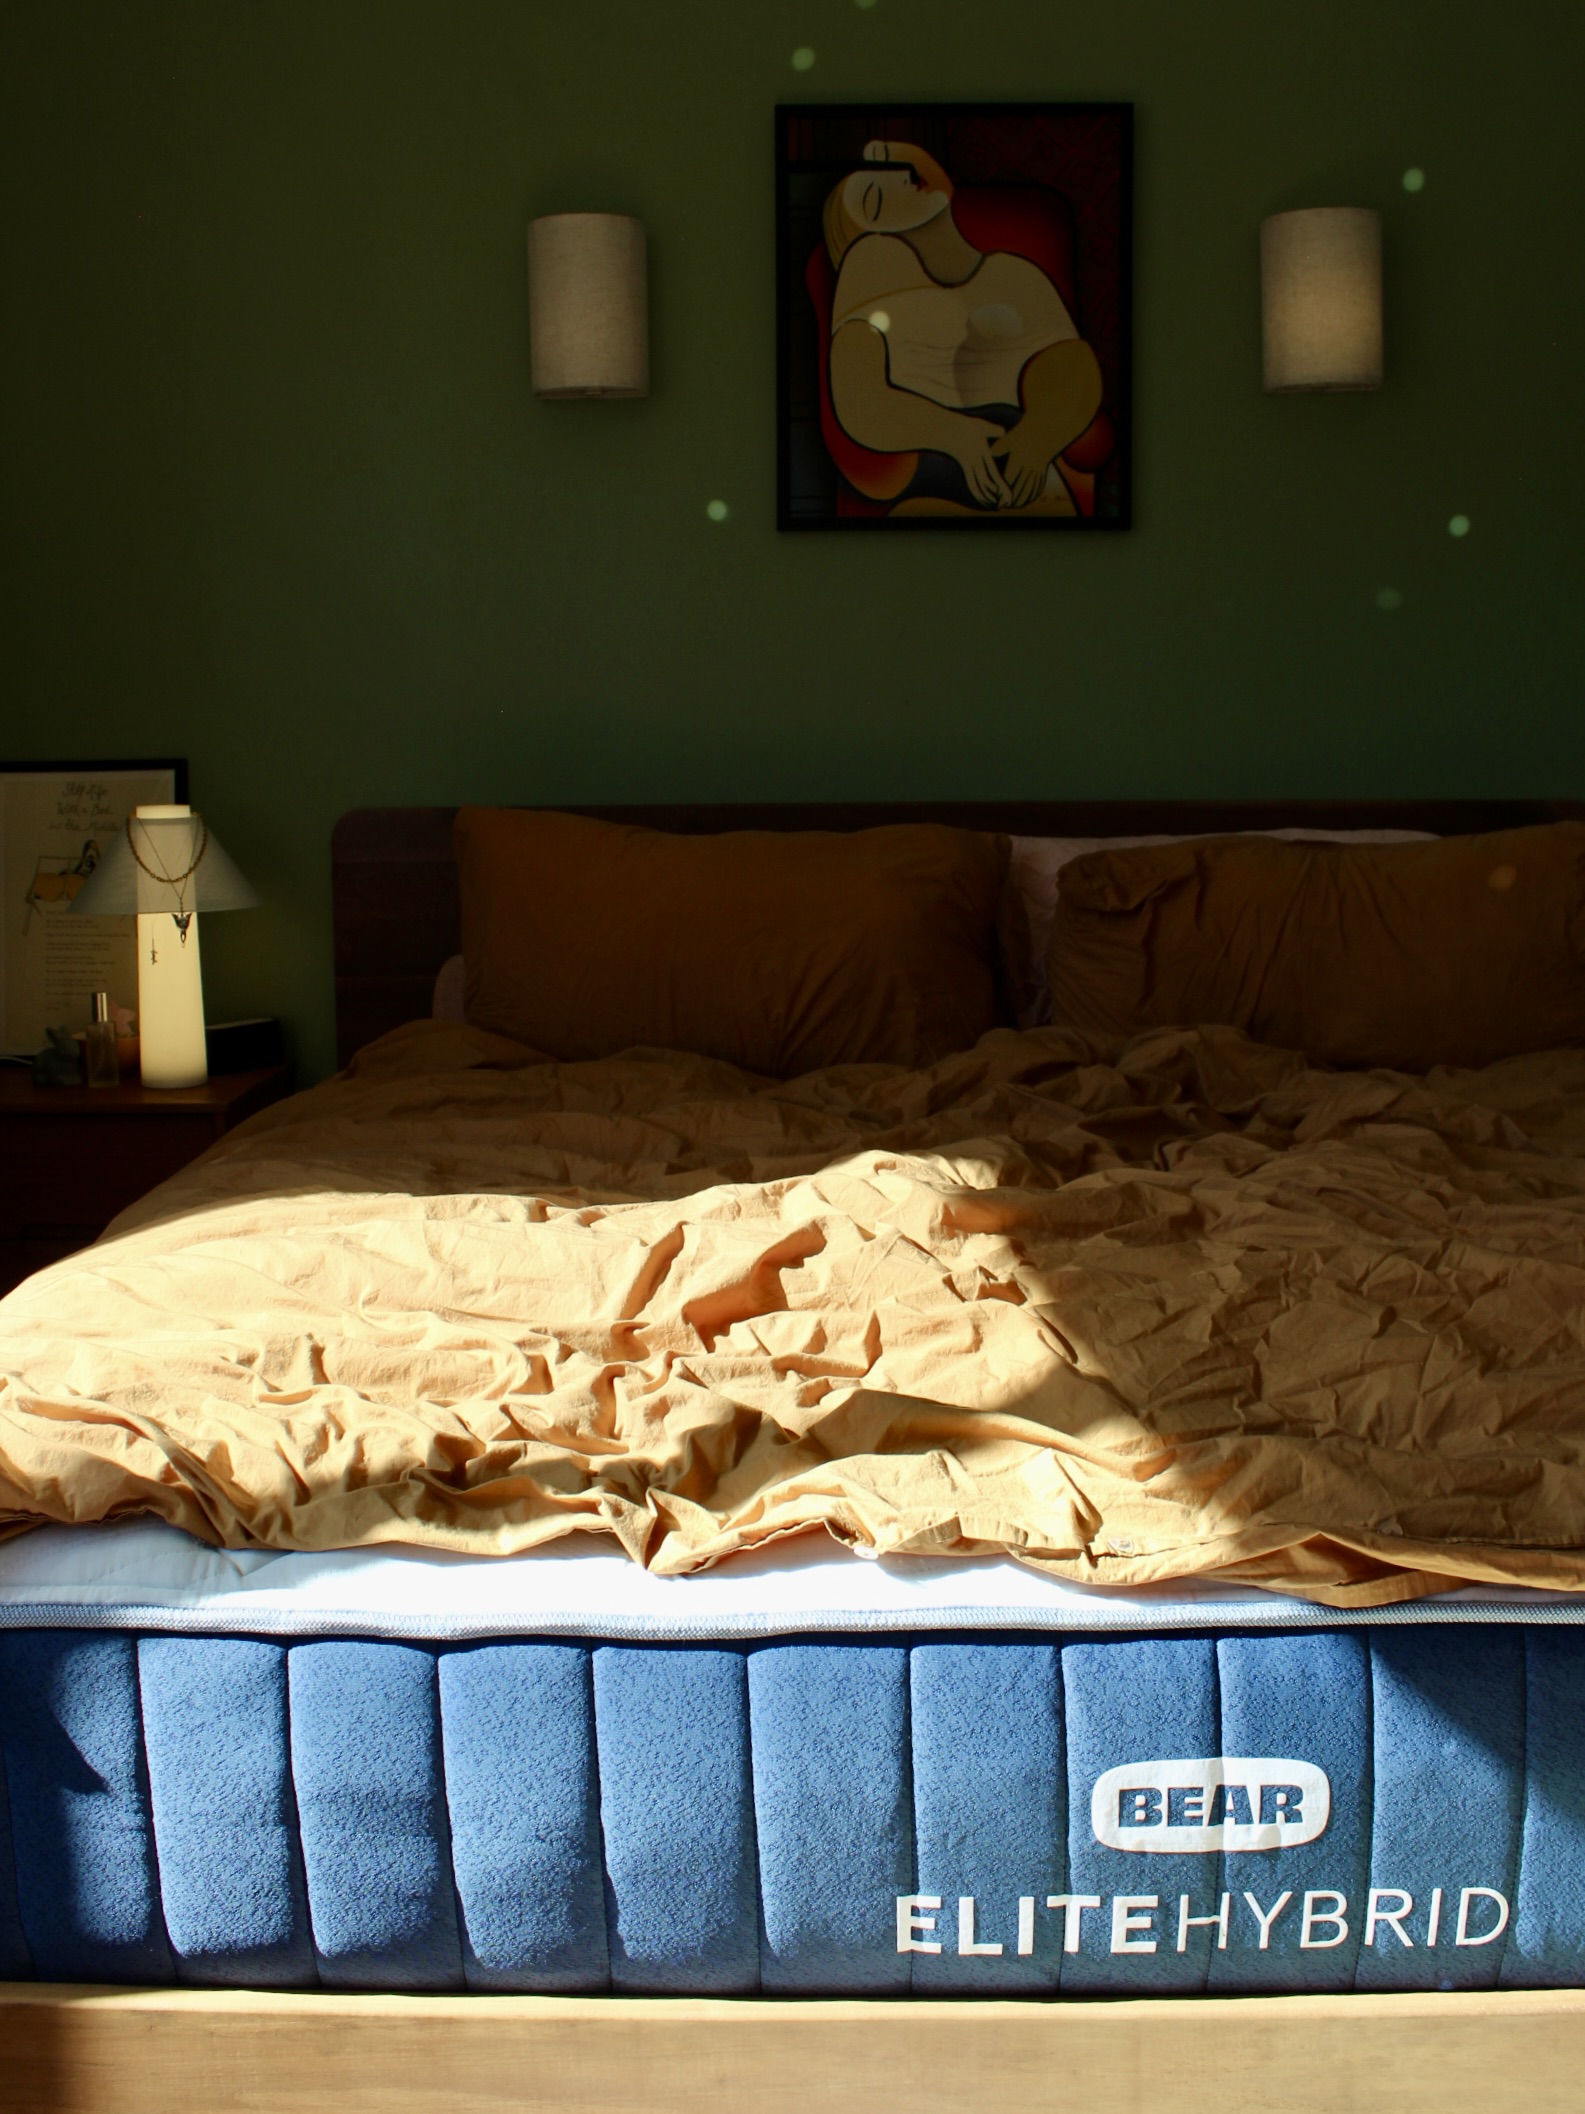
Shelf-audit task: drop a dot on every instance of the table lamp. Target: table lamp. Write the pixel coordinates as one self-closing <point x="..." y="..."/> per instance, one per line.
<point x="165" y="867"/>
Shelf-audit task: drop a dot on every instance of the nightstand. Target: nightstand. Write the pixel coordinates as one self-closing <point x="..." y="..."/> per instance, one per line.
<point x="71" y="1157"/>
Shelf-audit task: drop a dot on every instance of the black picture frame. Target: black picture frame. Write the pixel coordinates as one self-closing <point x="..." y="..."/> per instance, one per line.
<point x="53" y="767"/>
<point x="1046" y="189"/>
<point x="26" y="977"/>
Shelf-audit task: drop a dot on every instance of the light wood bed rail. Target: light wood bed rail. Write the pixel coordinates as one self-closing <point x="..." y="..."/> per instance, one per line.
<point x="99" y="2051"/>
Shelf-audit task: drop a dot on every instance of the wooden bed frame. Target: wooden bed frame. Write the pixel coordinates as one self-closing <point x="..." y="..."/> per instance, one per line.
<point x="97" y="2051"/>
<point x="67" y="2050"/>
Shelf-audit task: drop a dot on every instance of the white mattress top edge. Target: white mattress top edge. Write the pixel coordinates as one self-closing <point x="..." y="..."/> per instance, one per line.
<point x="255" y="1621"/>
<point x="143" y="1575"/>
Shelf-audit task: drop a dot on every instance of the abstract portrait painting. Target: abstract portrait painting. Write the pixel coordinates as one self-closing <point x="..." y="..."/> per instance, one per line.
<point x="953" y="315"/>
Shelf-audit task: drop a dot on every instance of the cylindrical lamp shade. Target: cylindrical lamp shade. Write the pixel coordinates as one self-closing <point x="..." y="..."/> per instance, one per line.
<point x="588" y="298"/>
<point x="1320" y="288"/>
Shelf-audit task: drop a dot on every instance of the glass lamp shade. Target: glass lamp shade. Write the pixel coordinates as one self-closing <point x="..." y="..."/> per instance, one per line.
<point x="1320" y="285"/>
<point x="171" y="1044"/>
<point x="588" y="305"/>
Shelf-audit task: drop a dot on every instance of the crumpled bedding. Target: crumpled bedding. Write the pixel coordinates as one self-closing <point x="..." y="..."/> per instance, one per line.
<point x="1179" y="1307"/>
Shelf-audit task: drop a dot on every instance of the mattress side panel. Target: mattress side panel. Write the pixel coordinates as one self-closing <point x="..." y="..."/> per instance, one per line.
<point x="676" y="1814"/>
<point x="522" y="1792"/>
<point x="1448" y="1733"/>
<point x="81" y="1826"/>
<point x="967" y="1814"/>
<point x="833" y="1808"/>
<point x="217" y="1739"/>
<point x="1544" y="1948"/>
<point x="367" y="1763"/>
<point x="1307" y="1699"/>
<point x="990" y="1814"/>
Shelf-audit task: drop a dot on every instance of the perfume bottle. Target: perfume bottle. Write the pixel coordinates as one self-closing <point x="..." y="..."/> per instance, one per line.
<point x="102" y="1063"/>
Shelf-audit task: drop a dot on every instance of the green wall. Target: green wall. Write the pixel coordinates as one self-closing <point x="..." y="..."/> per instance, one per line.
<point x="278" y="495"/>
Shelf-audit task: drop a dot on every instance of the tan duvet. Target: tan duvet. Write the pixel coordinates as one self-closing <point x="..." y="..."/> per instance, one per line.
<point x="1184" y="1309"/>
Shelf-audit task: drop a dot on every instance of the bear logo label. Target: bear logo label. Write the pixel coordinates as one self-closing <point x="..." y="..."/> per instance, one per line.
<point x="1235" y="1802"/>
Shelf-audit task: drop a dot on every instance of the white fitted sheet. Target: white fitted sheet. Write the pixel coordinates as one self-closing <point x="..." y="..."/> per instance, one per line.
<point x="143" y="1575"/>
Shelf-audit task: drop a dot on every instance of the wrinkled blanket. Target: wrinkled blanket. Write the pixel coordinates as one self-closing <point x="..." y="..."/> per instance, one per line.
<point x="1130" y="1313"/>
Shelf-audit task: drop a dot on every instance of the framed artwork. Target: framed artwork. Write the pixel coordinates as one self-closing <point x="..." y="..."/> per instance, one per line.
<point x="55" y="821"/>
<point x="953" y="315"/>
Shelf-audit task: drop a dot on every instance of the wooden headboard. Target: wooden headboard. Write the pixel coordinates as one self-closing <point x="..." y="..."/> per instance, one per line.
<point x="394" y="881"/>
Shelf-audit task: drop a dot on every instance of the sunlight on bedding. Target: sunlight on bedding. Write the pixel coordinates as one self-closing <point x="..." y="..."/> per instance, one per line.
<point x="1177" y="1309"/>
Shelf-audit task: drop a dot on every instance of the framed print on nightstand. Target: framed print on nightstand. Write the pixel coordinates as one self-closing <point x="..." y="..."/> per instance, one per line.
<point x="953" y="315"/>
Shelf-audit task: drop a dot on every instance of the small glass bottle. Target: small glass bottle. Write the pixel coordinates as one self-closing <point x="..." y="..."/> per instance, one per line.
<point x="102" y="1064"/>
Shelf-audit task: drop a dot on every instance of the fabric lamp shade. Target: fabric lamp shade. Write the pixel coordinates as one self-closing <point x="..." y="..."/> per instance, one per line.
<point x="168" y="838"/>
<point x="1320" y="280"/>
<point x="588" y="297"/>
<point x="163" y="868"/>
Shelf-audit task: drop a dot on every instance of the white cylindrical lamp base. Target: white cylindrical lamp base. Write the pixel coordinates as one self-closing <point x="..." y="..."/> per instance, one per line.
<point x="170" y="1003"/>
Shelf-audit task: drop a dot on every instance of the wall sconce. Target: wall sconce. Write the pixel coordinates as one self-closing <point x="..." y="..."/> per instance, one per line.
<point x="588" y="301"/>
<point x="165" y="867"/>
<point x="1320" y="293"/>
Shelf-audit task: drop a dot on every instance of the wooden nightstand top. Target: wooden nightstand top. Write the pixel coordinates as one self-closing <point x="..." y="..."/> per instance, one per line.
<point x="220" y="1102"/>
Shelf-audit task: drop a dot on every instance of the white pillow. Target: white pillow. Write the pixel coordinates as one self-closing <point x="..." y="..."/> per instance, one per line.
<point x="1037" y="863"/>
<point x="448" y="1003"/>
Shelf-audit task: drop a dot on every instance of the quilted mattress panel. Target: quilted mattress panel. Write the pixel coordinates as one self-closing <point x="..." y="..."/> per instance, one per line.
<point x="1375" y="1809"/>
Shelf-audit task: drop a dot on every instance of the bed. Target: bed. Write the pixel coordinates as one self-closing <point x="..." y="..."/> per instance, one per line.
<point x="387" y="1817"/>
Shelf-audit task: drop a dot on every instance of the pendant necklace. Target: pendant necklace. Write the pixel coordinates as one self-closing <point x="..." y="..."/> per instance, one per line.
<point x="177" y="882"/>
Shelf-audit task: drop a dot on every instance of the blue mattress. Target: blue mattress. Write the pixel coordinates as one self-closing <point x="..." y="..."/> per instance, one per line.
<point x="1351" y="1808"/>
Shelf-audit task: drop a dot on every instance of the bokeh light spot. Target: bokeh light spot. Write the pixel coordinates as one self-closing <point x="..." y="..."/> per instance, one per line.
<point x="1459" y="525"/>
<point x="1389" y="598"/>
<point x="879" y="319"/>
<point x="718" y="510"/>
<point x="1414" y="179"/>
<point x="863" y="3"/>
<point x="1502" y="878"/>
<point x="803" y="58"/>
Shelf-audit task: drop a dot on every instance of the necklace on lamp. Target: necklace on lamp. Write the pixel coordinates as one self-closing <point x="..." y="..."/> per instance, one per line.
<point x="177" y="882"/>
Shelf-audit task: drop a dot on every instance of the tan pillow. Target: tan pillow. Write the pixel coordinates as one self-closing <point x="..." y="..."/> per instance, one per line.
<point x="1037" y="864"/>
<point x="1459" y="951"/>
<point x="778" y="952"/>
